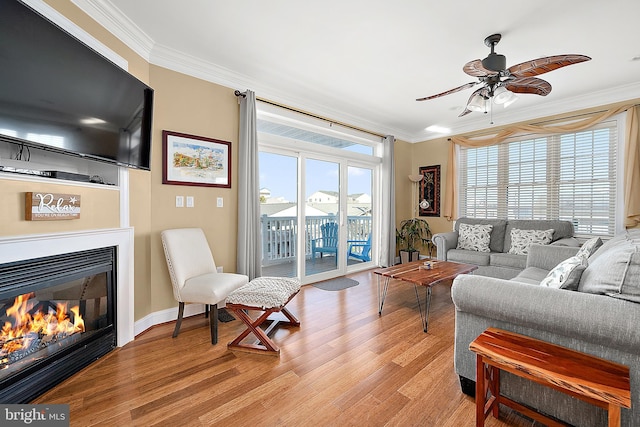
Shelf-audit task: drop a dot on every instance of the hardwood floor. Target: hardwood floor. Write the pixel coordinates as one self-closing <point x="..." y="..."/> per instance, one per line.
<point x="344" y="366"/>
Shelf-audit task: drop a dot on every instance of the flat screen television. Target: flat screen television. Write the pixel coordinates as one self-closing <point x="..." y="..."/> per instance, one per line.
<point x="57" y="93"/>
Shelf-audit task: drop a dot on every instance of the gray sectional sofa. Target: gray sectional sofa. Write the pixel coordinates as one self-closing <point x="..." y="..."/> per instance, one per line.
<point x="601" y="317"/>
<point x="498" y="262"/>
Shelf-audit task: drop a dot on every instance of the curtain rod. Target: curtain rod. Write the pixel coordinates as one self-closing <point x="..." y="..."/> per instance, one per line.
<point x="286" y="107"/>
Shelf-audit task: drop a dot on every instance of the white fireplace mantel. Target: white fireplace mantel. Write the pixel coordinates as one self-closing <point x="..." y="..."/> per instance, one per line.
<point x="18" y="248"/>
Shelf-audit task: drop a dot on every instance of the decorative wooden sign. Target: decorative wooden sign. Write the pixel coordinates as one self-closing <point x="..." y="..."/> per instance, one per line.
<point x="51" y="206"/>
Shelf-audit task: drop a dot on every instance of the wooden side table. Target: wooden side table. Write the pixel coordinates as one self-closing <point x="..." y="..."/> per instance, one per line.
<point x="594" y="380"/>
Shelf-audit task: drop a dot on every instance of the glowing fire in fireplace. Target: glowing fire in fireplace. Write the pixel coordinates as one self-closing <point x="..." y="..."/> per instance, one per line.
<point x="35" y="325"/>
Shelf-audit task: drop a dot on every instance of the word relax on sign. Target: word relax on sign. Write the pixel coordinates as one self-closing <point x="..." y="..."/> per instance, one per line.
<point x="51" y="206"/>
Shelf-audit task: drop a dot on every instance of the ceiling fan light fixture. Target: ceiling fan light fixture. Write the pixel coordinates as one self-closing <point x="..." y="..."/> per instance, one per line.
<point x="477" y="103"/>
<point x="503" y="96"/>
<point x="513" y="98"/>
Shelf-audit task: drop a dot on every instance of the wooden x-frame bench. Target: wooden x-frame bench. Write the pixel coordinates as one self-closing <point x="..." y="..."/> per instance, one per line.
<point x="268" y="295"/>
<point x="592" y="379"/>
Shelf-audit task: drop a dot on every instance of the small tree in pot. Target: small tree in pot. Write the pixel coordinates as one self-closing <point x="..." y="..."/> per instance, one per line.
<point x="412" y="233"/>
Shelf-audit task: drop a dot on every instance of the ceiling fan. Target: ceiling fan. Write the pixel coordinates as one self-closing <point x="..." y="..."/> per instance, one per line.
<point x="501" y="83"/>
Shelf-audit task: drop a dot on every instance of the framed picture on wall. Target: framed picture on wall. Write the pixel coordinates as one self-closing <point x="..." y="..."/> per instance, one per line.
<point x="195" y="160"/>
<point x="430" y="191"/>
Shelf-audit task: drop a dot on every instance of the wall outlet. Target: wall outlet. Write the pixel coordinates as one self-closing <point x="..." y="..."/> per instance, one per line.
<point x="179" y="201"/>
<point x="219" y="202"/>
<point x="219" y="269"/>
<point x="190" y="201"/>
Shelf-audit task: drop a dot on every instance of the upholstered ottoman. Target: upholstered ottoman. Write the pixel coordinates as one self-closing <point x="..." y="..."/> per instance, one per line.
<point x="267" y="295"/>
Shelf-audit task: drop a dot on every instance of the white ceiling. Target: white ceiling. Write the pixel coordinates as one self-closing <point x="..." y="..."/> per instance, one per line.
<point x="365" y="62"/>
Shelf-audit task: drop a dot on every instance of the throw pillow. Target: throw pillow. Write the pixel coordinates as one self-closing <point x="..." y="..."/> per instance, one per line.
<point x="566" y="275"/>
<point x="474" y="237"/>
<point x="521" y="239"/>
<point x="589" y="247"/>
<point x="615" y="271"/>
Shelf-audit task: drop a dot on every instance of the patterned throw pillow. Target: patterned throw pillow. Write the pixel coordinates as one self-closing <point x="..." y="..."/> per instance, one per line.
<point x="566" y="275"/>
<point x="589" y="247"/>
<point x="474" y="237"/>
<point x="521" y="239"/>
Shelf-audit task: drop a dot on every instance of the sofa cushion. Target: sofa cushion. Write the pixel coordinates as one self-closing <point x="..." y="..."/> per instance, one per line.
<point x="521" y="239"/>
<point x="561" y="229"/>
<point x="474" y="237"/>
<point x="509" y="260"/>
<point x="615" y="270"/>
<point x="531" y="275"/>
<point x="468" y="257"/>
<point x="497" y="233"/>
<point x="629" y="235"/>
<point x="566" y="275"/>
<point x="589" y="247"/>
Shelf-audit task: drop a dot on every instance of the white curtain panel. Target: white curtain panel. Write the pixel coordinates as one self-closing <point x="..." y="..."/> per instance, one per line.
<point x="249" y="259"/>
<point x="387" y="253"/>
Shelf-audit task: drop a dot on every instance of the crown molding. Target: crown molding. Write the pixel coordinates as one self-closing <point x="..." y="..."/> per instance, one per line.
<point x="118" y="24"/>
<point x="181" y="62"/>
<point x="72" y="28"/>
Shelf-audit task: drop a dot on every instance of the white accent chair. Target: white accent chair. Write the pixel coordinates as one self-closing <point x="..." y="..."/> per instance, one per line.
<point x="194" y="276"/>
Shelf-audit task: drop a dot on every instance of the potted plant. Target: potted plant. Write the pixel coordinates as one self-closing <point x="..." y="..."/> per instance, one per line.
<point x="412" y="233"/>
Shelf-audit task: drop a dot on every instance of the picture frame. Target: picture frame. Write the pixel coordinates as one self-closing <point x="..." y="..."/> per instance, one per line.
<point x="195" y="160"/>
<point x="429" y="191"/>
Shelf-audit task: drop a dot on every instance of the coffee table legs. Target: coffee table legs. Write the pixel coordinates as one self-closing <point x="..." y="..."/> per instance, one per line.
<point x="382" y="293"/>
<point x="424" y="314"/>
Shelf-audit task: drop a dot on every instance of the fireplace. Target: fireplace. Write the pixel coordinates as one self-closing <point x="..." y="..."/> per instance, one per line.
<point x="57" y="315"/>
<point x="107" y="321"/>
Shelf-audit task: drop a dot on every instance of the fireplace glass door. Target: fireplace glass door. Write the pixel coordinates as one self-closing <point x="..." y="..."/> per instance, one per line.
<point x="51" y="309"/>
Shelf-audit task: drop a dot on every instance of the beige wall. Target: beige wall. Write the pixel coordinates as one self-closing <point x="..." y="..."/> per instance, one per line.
<point x="188" y="105"/>
<point x="430" y="153"/>
<point x="99" y="208"/>
<point x="408" y="160"/>
<point x="402" y="156"/>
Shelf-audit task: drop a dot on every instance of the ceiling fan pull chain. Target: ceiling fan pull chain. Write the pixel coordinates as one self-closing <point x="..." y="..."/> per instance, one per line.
<point x="491" y="110"/>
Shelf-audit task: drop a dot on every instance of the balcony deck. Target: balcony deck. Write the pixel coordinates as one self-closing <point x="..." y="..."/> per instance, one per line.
<point x="287" y="268"/>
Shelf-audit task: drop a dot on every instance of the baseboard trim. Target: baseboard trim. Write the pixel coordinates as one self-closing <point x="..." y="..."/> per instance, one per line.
<point x="164" y="316"/>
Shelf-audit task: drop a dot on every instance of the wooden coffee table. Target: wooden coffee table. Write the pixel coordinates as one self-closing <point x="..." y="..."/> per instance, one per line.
<point x="416" y="273"/>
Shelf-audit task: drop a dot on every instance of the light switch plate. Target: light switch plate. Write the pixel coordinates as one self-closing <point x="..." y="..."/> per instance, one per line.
<point x="190" y="201"/>
<point x="219" y="202"/>
<point x="179" y="201"/>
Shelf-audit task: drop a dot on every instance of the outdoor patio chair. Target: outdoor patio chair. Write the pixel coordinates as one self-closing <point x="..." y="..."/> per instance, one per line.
<point x="360" y="249"/>
<point x="328" y="242"/>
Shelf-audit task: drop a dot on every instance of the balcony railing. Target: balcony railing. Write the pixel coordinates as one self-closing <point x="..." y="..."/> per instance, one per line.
<point x="280" y="235"/>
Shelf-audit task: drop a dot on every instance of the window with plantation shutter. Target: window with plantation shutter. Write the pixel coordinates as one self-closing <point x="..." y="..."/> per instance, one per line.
<point x="569" y="177"/>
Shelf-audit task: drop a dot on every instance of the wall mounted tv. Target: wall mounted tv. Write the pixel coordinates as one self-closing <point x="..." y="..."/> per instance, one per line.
<point x="58" y="94"/>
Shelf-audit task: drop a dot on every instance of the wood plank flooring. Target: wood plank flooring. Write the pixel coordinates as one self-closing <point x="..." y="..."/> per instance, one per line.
<point x="345" y="366"/>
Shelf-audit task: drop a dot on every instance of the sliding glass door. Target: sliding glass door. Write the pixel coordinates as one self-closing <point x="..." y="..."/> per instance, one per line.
<point x="359" y="216"/>
<point x="318" y="196"/>
<point x="279" y="214"/>
<point x="323" y="217"/>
